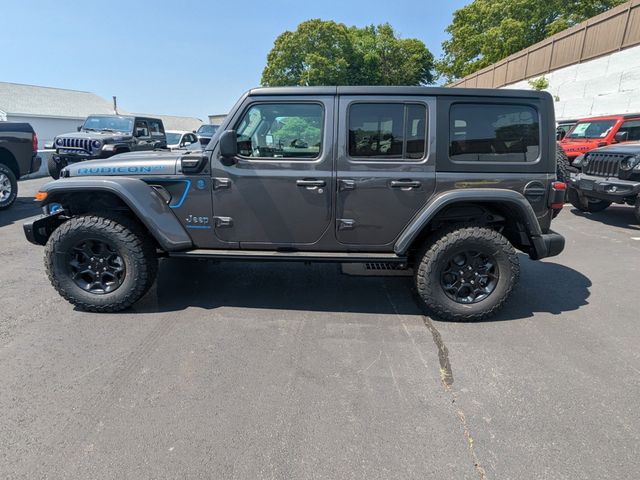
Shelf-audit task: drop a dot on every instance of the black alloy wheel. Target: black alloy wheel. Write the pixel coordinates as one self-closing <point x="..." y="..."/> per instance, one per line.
<point x="469" y="276"/>
<point x="96" y="267"/>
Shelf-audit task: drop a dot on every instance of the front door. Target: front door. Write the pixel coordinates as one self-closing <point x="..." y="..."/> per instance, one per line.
<point x="385" y="169"/>
<point x="278" y="189"/>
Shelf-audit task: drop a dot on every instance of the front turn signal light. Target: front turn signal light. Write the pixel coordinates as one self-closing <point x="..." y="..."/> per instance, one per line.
<point x="40" y="196"/>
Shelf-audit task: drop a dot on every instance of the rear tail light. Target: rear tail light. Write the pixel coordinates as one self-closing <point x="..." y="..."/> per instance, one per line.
<point x="558" y="190"/>
<point x="34" y="140"/>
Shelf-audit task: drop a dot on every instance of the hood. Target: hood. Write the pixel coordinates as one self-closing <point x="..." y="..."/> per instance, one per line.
<point x="132" y="164"/>
<point x="97" y="135"/>
<point x="626" y="148"/>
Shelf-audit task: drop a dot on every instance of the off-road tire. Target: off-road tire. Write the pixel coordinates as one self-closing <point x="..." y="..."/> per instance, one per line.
<point x="10" y="177"/>
<point x="591" y="205"/>
<point x="564" y="169"/>
<point x="132" y="244"/>
<point x="435" y="256"/>
<point x="54" y="168"/>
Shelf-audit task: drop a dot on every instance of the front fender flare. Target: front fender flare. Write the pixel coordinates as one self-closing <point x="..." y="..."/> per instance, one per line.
<point x="146" y="205"/>
<point x="512" y="198"/>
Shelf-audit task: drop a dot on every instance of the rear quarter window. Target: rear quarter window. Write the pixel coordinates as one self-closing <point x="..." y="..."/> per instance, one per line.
<point x="493" y="133"/>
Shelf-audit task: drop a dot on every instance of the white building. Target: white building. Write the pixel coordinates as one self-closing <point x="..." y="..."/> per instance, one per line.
<point x="53" y="111"/>
<point x="50" y="111"/>
<point x="592" y="68"/>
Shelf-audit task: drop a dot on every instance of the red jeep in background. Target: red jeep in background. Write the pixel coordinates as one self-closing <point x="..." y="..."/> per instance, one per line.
<point x="595" y="132"/>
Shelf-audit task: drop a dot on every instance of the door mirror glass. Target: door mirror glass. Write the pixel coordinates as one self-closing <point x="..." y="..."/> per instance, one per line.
<point x="228" y="144"/>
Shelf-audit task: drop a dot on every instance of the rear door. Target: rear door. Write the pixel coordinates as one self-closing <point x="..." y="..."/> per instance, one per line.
<point x="385" y="166"/>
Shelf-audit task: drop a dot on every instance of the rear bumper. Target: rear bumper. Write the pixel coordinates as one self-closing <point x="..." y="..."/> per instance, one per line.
<point x="36" y="163"/>
<point x="547" y="245"/>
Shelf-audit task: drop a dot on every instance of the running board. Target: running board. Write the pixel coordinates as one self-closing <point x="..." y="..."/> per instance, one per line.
<point x="339" y="257"/>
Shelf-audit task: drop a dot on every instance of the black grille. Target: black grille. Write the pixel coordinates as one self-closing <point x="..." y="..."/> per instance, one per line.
<point x="79" y="143"/>
<point x="603" y="164"/>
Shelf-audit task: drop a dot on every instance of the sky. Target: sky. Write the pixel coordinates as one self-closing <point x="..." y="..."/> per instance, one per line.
<point x="187" y="57"/>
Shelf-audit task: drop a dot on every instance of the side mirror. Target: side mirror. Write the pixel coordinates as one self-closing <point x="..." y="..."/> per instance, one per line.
<point x="228" y="144"/>
<point x="621" y="137"/>
<point x="79" y="128"/>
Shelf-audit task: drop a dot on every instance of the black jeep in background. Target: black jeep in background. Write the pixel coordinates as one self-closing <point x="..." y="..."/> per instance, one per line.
<point x="18" y="150"/>
<point x="102" y="136"/>
<point x="607" y="175"/>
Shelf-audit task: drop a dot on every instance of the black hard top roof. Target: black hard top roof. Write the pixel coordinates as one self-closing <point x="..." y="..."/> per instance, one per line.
<point x="121" y="116"/>
<point x="431" y="91"/>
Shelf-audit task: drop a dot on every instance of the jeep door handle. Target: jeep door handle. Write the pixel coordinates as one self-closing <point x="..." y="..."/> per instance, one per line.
<point x="310" y="183"/>
<point x="408" y="184"/>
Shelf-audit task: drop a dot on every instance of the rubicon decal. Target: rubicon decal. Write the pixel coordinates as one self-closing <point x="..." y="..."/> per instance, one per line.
<point x="129" y="169"/>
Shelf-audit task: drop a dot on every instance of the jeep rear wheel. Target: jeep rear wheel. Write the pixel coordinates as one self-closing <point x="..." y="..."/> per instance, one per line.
<point x="100" y="264"/>
<point x="8" y="187"/>
<point x="585" y="203"/>
<point x="467" y="274"/>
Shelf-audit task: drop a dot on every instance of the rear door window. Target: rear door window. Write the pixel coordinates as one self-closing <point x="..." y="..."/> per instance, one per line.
<point x="387" y="131"/>
<point x="493" y="133"/>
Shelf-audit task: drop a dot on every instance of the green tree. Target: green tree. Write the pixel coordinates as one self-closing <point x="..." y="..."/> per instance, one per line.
<point x="328" y="53"/>
<point x="486" y="31"/>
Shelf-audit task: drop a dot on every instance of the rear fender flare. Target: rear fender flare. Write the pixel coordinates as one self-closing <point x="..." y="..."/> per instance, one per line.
<point x="515" y="200"/>
<point x="145" y="204"/>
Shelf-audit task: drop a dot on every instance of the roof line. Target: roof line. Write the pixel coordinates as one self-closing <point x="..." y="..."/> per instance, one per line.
<point x="51" y="88"/>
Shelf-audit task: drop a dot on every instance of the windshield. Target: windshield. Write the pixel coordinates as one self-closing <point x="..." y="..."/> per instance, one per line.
<point x="208" y="129"/>
<point x="110" y="124"/>
<point x="592" y="129"/>
<point x="173" y="138"/>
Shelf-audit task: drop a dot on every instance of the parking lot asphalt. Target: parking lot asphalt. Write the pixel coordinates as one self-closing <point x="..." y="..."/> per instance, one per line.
<point x="286" y="371"/>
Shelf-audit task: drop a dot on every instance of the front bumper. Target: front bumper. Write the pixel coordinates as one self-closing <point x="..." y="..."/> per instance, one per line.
<point x="606" y="188"/>
<point x="69" y="158"/>
<point x="38" y="229"/>
<point x="547" y="245"/>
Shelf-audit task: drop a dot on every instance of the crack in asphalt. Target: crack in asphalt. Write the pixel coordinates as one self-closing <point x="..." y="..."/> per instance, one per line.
<point x="446" y="376"/>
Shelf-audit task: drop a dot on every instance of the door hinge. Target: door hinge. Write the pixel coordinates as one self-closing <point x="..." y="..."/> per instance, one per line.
<point x="346" y="224"/>
<point x="344" y="184"/>
<point x="221" y="182"/>
<point x="223" y="221"/>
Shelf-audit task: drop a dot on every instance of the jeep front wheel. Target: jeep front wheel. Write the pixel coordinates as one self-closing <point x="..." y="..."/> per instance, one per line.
<point x="586" y="204"/>
<point x="100" y="264"/>
<point x="467" y="274"/>
<point x="54" y="168"/>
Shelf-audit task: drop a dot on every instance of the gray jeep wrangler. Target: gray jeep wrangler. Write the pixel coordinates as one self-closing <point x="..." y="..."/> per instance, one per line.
<point x="447" y="183"/>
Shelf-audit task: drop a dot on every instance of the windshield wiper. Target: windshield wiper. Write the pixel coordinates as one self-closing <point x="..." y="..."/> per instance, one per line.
<point x="89" y="129"/>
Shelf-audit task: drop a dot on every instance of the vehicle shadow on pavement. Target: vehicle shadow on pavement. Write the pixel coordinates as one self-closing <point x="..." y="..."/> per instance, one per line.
<point x="24" y="207"/>
<point x="616" y="216"/>
<point x="544" y="287"/>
